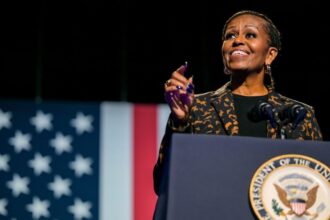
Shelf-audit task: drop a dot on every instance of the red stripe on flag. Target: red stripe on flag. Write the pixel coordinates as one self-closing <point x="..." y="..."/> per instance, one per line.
<point x="144" y="154"/>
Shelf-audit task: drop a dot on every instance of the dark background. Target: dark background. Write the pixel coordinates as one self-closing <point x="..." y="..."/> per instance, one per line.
<point x="125" y="50"/>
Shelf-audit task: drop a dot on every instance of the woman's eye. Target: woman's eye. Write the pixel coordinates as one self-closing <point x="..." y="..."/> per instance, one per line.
<point x="230" y="36"/>
<point x="251" y="35"/>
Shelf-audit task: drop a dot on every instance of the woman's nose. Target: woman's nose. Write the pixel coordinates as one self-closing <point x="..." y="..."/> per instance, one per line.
<point x="238" y="40"/>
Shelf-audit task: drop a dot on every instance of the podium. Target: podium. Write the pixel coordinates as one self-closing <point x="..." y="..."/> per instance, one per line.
<point x="209" y="177"/>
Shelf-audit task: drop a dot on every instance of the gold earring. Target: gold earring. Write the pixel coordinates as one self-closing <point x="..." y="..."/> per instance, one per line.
<point x="268" y="69"/>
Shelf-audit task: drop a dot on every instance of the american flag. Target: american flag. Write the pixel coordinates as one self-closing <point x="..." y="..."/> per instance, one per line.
<point x="68" y="160"/>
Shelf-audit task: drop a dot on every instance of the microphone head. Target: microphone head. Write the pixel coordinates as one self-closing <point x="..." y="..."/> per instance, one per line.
<point x="299" y="113"/>
<point x="262" y="111"/>
<point x="293" y="113"/>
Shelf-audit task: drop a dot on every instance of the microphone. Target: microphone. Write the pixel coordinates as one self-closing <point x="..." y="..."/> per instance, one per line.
<point x="263" y="111"/>
<point x="294" y="113"/>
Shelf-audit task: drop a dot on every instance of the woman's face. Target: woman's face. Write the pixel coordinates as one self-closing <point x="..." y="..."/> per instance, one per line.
<point x="246" y="45"/>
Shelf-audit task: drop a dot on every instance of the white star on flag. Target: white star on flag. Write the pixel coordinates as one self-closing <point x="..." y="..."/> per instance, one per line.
<point x="42" y="121"/>
<point x="60" y="186"/>
<point x="91" y="157"/>
<point x="5" y="119"/>
<point x="3" y="204"/>
<point x="18" y="185"/>
<point x="38" y="208"/>
<point x="82" y="123"/>
<point x="80" y="209"/>
<point x="81" y="165"/>
<point x="61" y="143"/>
<point x="4" y="159"/>
<point x="40" y="164"/>
<point x="20" y="141"/>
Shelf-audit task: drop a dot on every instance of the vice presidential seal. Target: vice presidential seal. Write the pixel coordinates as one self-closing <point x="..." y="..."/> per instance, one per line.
<point x="291" y="187"/>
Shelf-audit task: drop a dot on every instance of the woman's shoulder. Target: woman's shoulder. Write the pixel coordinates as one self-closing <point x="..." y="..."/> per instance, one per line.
<point x="211" y="94"/>
<point x="203" y="99"/>
<point x="205" y="95"/>
<point x="284" y="100"/>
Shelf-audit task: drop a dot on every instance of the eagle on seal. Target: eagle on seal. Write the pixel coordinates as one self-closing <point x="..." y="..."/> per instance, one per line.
<point x="297" y="206"/>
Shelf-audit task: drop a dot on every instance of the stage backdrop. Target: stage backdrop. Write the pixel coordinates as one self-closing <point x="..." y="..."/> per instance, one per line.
<point x="64" y="160"/>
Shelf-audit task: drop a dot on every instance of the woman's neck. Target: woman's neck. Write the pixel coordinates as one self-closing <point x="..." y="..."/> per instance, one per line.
<point x="251" y="85"/>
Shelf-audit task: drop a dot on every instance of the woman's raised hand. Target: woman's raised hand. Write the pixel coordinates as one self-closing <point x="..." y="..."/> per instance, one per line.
<point x="179" y="93"/>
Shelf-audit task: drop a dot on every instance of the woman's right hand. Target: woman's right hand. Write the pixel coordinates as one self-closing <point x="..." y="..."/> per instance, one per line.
<point x="179" y="94"/>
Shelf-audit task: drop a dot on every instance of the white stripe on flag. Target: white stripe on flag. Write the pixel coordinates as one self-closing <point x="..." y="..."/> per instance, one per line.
<point x="116" y="161"/>
<point x="163" y="113"/>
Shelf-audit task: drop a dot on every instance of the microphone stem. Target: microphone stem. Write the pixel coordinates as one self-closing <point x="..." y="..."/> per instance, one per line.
<point x="281" y="131"/>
